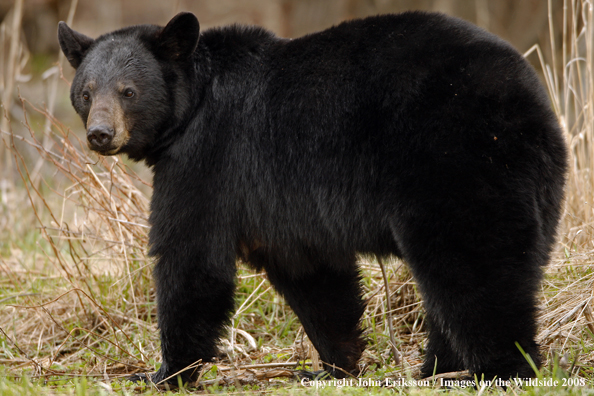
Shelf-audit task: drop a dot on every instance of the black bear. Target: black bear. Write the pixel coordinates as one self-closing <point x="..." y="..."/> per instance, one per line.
<point x="416" y="135"/>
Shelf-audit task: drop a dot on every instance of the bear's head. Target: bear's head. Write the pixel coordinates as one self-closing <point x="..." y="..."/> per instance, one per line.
<point x="133" y="87"/>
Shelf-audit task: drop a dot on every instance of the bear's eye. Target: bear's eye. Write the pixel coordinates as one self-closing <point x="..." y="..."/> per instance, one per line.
<point x="129" y="93"/>
<point x="86" y="97"/>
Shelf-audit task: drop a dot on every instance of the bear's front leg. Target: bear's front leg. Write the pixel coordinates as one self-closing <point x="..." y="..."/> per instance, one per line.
<point x="195" y="299"/>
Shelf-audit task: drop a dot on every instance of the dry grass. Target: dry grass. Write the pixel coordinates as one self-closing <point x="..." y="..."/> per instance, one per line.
<point x="567" y="323"/>
<point x="81" y="301"/>
<point x="94" y="261"/>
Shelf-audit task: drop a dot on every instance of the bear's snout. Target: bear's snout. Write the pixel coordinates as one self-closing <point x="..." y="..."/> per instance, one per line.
<point x="100" y="137"/>
<point x="107" y="130"/>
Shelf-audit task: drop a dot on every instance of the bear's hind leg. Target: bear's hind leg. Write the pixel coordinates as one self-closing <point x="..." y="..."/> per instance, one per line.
<point x="482" y="325"/>
<point x="440" y="357"/>
<point x="480" y="302"/>
<point x="327" y="299"/>
<point x="476" y="246"/>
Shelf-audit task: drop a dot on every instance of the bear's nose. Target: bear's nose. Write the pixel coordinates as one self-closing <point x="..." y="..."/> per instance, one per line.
<point x="100" y="135"/>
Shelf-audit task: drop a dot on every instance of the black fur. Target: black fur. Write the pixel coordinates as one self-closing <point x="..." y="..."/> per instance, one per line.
<point x="416" y="135"/>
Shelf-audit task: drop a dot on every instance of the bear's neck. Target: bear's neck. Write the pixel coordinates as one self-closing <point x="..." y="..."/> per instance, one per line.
<point x="227" y="80"/>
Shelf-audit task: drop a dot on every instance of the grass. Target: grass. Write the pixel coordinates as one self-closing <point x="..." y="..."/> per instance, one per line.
<point x="77" y="306"/>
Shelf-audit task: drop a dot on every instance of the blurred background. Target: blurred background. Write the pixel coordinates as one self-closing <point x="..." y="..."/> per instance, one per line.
<point x="29" y="53"/>
<point x="522" y="22"/>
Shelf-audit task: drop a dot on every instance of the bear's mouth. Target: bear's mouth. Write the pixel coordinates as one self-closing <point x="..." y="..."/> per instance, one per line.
<point x="106" y="151"/>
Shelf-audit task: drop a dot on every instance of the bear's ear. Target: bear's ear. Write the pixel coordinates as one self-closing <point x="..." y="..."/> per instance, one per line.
<point x="73" y="44"/>
<point x="178" y="40"/>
